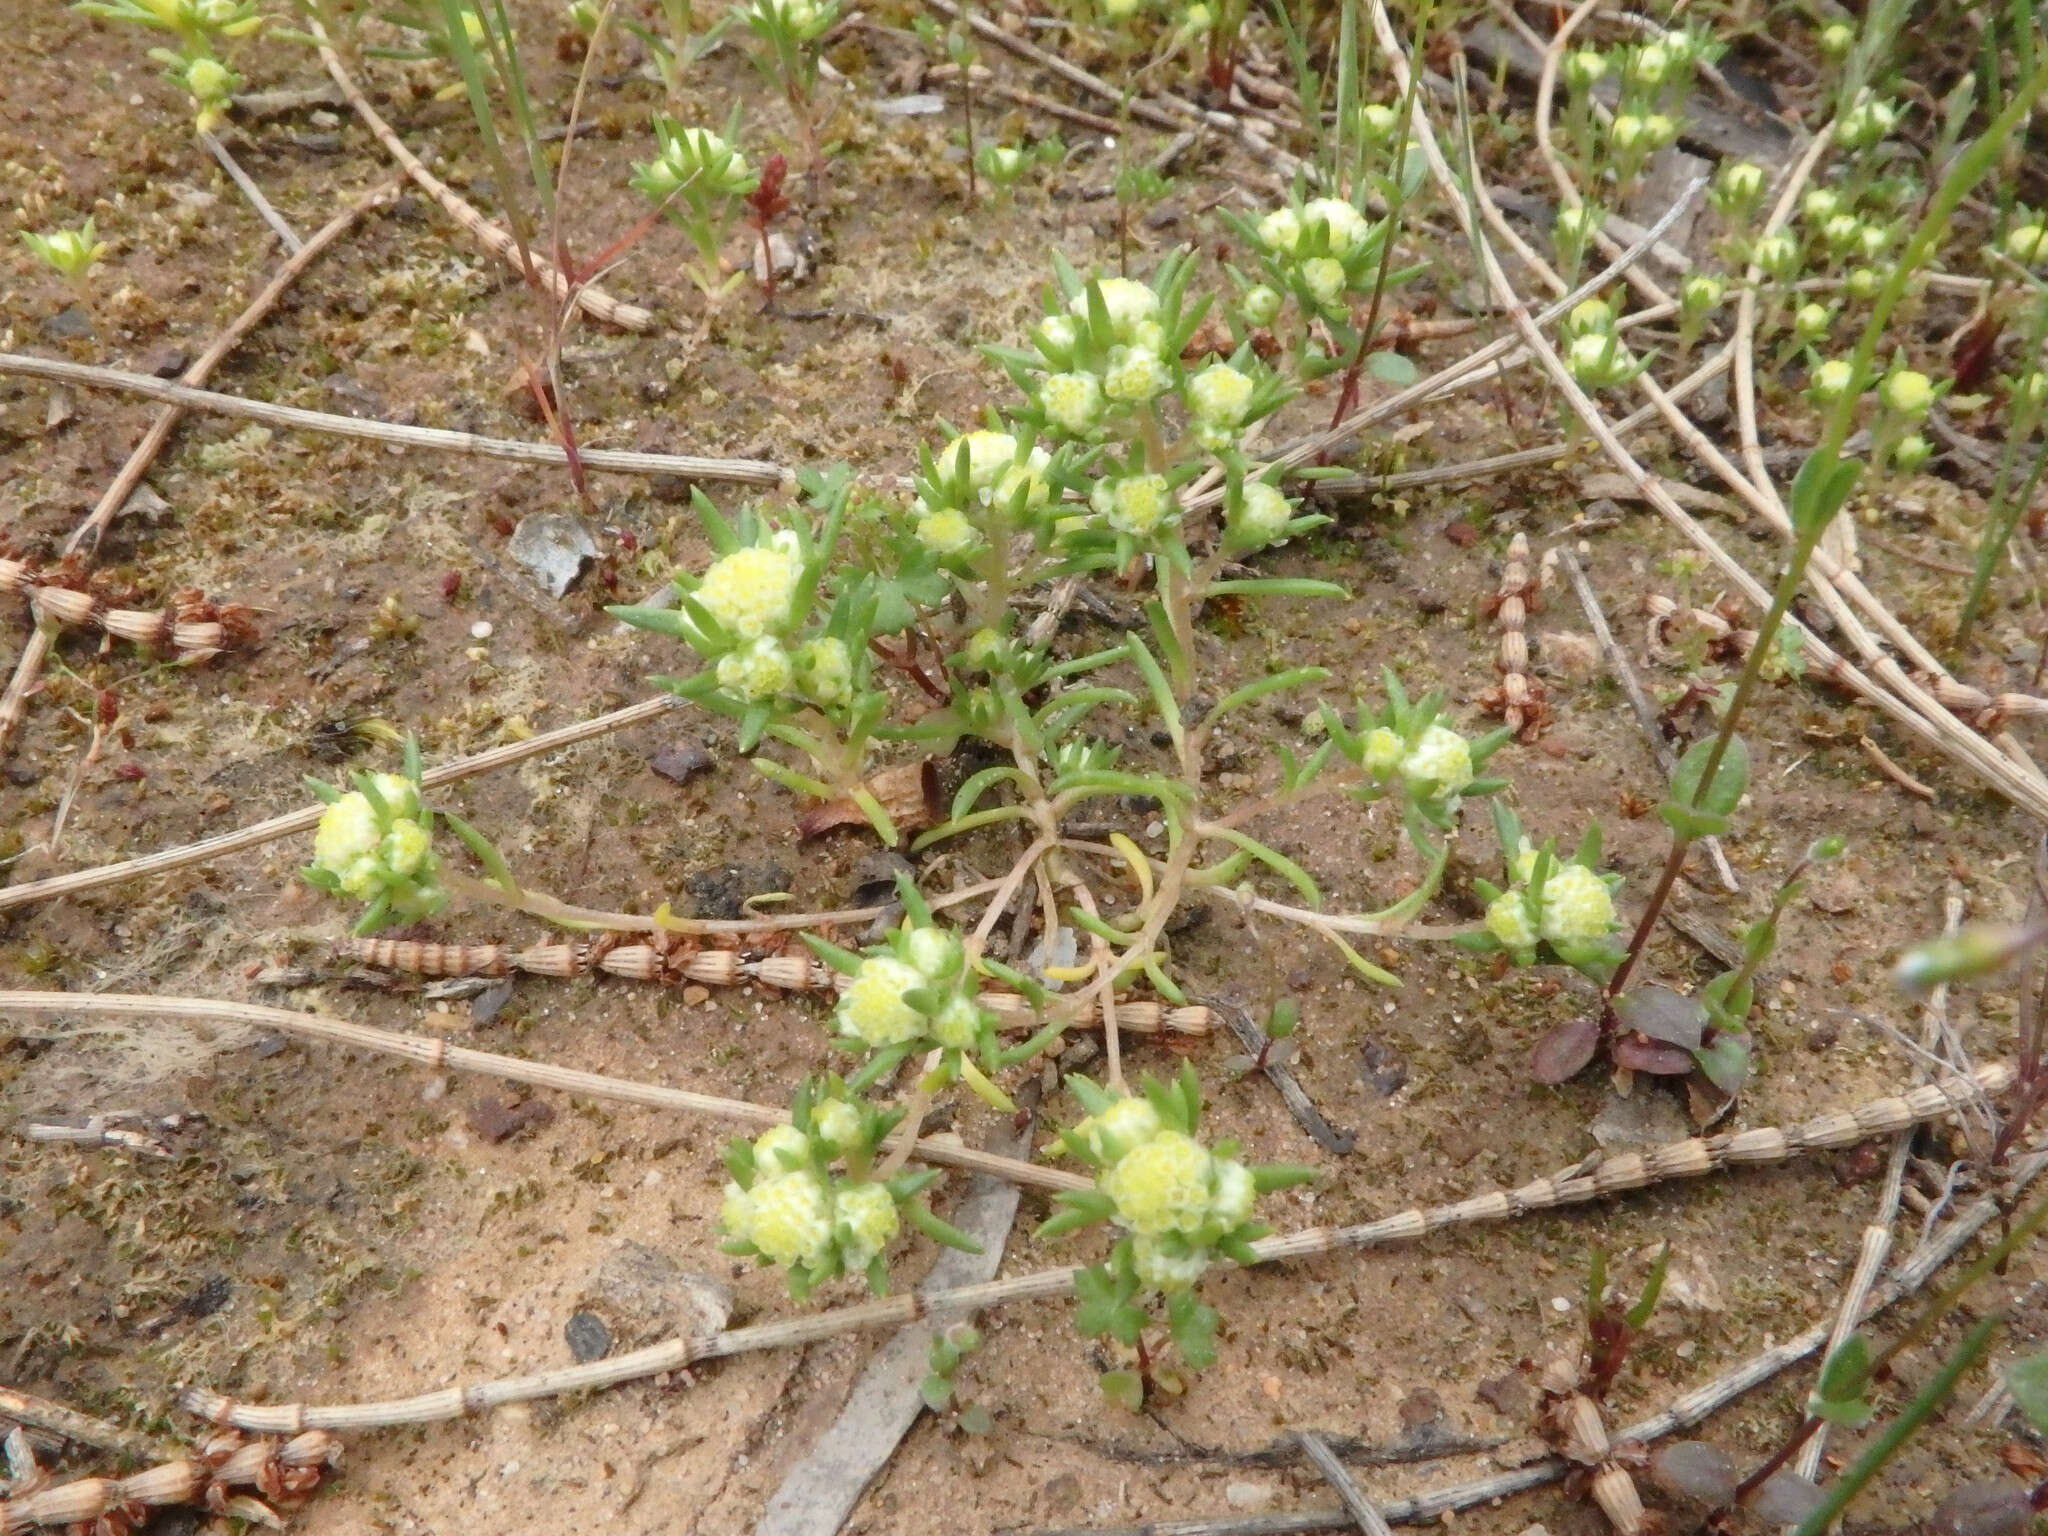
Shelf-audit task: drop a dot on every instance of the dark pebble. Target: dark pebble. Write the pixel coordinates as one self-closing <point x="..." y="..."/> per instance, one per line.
<point x="1384" y="1069"/>
<point x="68" y="324"/>
<point x="496" y="1122"/>
<point x="717" y="894"/>
<point x="168" y="362"/>
<point x="588" y="1337"/>
<point x="681" y="761"/>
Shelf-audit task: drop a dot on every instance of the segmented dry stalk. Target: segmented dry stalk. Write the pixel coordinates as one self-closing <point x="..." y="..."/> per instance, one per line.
<point x="1519" y="700"/>
<point x="192" y="629"/>
<point x="1986" y="711"/>
<point x="1571" y="1186"/>
<point x="284" y="1472"/>
<point x="672" y="960"/>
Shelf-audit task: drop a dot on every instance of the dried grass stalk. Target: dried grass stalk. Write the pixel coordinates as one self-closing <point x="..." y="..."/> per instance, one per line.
<point x="675" y="962"/>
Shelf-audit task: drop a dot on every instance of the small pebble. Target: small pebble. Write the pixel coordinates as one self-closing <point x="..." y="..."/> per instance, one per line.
<point x="480" y="630"/>
<point x="1560" y="1304"/>
<point x="588" y="1337"/>
<point x="1249" y="1496"/>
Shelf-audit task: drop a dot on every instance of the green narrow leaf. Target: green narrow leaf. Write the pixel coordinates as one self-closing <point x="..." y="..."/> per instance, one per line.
<point x="1653" y="1287"/>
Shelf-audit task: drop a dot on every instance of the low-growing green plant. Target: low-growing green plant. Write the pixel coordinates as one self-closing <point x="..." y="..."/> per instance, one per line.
<point x="72" y="252"/>
<point x="206" y="33"/>
<point x="1180" y="1208"/>
<point x="697" y="179"/>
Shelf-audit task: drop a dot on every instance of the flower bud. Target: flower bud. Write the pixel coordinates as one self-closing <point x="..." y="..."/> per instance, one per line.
<point x="1912" y="451"/>
<point x="1862" y="283"/>
<point x="1591" y="317"/>
<point x="1777" y="255"/>
<point x="1261" y="516"/>
<point x="1907" y="392"/>
<point x="1737" y="188"/>
<point x="1701" y="294"/>
<point x="2027" y="244"/>
<point x="1648" y="65"/>
<point x="1820" y="205"/>
<point x="1812" y="322"/>
<point x="1627" y="132"/>
<point x="1585" y="69"/>
<point x="1377" y="122"/>
<point x="1831" y="380"/>
<point x="1260" y="305"/>
<point x="1836" y="39"/>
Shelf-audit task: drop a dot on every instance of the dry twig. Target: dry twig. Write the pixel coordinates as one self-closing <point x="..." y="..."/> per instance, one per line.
<point x="365" y="429"/>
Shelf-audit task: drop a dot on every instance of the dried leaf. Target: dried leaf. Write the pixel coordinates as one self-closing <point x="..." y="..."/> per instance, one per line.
<point x="1663" y="1014"/>
<point x="1563" y="1053"/>
<point x="1640" y="1055"/>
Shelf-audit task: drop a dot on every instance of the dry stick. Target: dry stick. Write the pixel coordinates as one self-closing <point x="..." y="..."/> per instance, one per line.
<point x="307" y="817"/>
<point x="1571" y="1186"/>
<point x="1877" y="1237"/>
<point x="2024" y="789"/>
<point x="1549" y="453"/>
<point x="284" y="232"/>
<point x="1829" y="577"/>
<point x="1645" y="712"/>
<point x="1364" y="1513"/>
<point x="27" y="1408"/>
<point x="439" y="1055"/>
<point x="30" y="665"/>
<point x="292" y="418"/>
<point x="728" y="968"/>
<point x="1682" y="1412"/>
<point x="1073" y="74"/>
<point x="589" y="298"/>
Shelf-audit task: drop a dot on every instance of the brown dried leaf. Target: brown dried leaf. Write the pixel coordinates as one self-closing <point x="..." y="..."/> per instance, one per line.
<point x="1563" y="1053"/>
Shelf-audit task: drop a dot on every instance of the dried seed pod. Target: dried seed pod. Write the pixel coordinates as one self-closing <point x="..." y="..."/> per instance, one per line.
<point x="1581" y="1429"/>
<point x="1615" y="1492"/>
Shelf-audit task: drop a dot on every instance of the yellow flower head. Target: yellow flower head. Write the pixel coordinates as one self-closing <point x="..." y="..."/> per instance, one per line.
<point x="1507" y="919"/>
<point x="872" y="1009"/>
<point x="866" y="1218"/>
<point x="1161" y="1185"/>
<point x="749" y="591"/>
<point x="1576" y="906"/>
<point x="789" y="1219"/>
<point x="1441" y="762"/>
